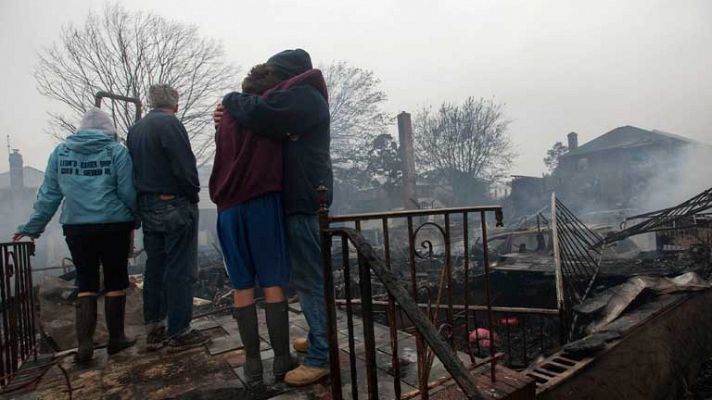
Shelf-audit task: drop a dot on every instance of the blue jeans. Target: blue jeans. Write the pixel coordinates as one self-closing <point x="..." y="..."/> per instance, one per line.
<point x="170" y="238"/>
<point x="307" y="278"/>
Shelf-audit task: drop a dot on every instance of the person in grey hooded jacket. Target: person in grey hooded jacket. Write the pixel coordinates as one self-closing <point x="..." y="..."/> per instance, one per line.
<point x="90" y="175"/>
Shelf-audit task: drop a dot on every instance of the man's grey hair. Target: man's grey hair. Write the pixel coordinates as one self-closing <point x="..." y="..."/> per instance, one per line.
<point x="162" y="96"/>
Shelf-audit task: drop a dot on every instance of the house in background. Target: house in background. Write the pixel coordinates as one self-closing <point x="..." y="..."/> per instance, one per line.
<point x="613" y="170"/>
<point x="18" y="189"/>
<point x="20" y="176"/>
<point x="621" y="170"/>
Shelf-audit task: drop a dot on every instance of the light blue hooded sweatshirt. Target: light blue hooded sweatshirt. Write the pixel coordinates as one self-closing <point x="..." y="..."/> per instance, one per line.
<point x="94" y="175"/>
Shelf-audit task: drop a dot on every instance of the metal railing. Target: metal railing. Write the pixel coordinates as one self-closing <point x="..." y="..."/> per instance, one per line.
<point x="577" y="261"/>
<point x="402" y="295"/>
<point x="521" y="334"/>
<point x="17" y="309"/>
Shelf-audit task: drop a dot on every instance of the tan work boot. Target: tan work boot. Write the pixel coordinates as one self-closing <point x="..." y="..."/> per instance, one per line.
<point x="301" y="344"/>
<point x="305" y="375"/>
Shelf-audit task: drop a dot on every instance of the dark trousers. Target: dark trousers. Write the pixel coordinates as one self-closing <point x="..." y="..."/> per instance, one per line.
<point x="100" y="246"/>
<point x="170" y="239"/>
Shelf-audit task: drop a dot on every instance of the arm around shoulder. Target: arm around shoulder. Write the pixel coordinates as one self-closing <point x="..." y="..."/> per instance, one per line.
<point x="295" y="110"/>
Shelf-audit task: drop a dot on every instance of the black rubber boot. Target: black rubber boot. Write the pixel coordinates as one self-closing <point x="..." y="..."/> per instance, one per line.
<point x="278" y="327"/>
<point x="247" y="325"/>
<point x="114" y="310"/>
<point x="86" y="325"/>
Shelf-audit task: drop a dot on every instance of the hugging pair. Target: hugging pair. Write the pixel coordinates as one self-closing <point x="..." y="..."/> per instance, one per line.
<point x="272" y="152"/>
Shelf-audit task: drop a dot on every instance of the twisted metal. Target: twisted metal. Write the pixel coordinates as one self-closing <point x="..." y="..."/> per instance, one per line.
<point x="685" y="215"/>
<point x="576" y="257"/>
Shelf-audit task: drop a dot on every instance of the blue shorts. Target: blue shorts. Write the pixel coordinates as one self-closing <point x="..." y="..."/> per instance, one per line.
<point x="253" y="242"/>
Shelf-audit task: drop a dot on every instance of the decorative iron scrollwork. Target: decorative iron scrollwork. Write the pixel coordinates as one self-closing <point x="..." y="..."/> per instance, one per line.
<point x="427" y="244"/>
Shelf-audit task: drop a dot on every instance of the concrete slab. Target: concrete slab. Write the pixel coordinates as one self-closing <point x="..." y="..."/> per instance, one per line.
<point x="224" y="344"/>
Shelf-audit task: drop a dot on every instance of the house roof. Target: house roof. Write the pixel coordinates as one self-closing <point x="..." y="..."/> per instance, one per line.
<point x="33" y="178"/>
<point x="628" y="137"/>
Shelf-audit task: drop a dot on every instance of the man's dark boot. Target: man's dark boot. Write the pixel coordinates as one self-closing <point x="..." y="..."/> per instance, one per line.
<point x="86" y="324"/>
<point x="278" y="326"/>
<point x="114" y="310"/>
<point x="247" y="325"/>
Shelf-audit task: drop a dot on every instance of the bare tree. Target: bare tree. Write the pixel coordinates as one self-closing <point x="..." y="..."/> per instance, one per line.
<point x="469" y="139"/>
<point x="357" y="116"/>
<point x="553" y="154"/>
<point x="125" y="52"/>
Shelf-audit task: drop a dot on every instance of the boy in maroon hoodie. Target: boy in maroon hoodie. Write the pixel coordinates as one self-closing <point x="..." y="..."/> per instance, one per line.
<point x="246" y="185"/>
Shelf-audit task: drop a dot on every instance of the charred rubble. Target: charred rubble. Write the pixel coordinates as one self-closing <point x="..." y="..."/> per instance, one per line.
<point x="595" y="260"/>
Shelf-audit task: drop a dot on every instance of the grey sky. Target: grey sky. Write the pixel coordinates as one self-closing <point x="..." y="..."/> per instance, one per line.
<point x="559" y="65"/>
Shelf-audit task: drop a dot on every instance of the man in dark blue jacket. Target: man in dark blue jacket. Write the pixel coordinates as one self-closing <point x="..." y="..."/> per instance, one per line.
<point x="300" y="117"/>
<point x="166" y="179"/>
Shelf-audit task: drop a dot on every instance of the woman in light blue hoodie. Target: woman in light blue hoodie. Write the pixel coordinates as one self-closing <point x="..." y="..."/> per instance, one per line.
<point x="91" y="176"/>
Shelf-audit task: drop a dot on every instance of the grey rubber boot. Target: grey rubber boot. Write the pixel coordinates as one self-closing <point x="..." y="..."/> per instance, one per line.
<point x="278" y="327"/>
<point x="85" y="323"/>
<point x="247" y="325"/>
<point x="114" y="311"/>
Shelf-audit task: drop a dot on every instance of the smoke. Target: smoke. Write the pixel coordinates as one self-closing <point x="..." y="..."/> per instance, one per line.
<point x="682" y="175"/>
<point x="15" y="209"/>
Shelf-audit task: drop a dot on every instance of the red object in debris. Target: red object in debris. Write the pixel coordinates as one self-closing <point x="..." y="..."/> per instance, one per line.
<point x="482" y="337"/>
<point x="511" y="321"/>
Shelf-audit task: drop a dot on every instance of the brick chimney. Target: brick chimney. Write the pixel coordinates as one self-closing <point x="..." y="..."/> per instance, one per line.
<point x="407" y="153"/>
<point x="573" y="140"/>
<point x="17" y="179"/>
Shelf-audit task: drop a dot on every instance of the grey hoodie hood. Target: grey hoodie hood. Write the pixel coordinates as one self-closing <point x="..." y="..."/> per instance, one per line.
<point x="87" y="141"/>
<point x="95" y="118"/>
